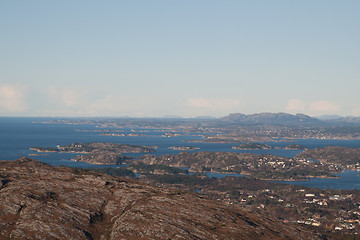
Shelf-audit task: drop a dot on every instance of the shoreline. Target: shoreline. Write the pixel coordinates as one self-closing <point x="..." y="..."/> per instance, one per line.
<point x="298" y="180"/>
<point x="307" y="178"/>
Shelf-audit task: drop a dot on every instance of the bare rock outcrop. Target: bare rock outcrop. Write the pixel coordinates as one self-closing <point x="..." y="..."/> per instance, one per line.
<point x="38" y="201"/>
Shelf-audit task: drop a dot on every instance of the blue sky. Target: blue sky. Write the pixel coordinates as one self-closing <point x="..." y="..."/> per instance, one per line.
<point x="185" y="58"/>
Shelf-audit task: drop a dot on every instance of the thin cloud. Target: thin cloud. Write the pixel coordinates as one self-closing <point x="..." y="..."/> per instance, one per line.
<point x="355" y="112"/>
<point x="312" y="108"/>
<point x="120" y="105"/>
<point x="108" y="104"/>
<point x="12" y="97"/>
<point x="295" y="105"/>
<point x="323" y="107"/>
<point x="214" y="103"/>
<point x="66" y="97"/>
<point x="212" y="106"/>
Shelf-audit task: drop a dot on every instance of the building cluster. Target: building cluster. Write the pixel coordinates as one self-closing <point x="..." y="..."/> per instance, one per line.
<point x="326" y="213"/>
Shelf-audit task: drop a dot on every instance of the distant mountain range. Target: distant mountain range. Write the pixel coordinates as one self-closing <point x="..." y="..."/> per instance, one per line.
<point x="329" y="117"/>
<point x="347" y="120"/>
<point x="270" y="118"/>
<point x="286" y="119"/>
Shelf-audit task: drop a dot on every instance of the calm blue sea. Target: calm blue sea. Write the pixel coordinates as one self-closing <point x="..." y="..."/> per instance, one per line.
<point x="17" y="135"/>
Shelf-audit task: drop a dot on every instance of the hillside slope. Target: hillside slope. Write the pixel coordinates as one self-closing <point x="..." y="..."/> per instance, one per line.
<point x="39" y="201"/>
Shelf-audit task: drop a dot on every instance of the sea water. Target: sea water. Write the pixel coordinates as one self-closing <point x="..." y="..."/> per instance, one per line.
<point x="18" y="135"/>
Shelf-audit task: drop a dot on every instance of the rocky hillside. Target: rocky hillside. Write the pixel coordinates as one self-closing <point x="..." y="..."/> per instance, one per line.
<point x="39" y="201"/>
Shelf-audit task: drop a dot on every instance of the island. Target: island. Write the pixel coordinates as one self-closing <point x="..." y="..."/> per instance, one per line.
<point x="252" y="146"/>
<point x="171" y="134"/>
<point x="114" y="147"/>
<point x="102" y="157"/>
<point x="99" y="153"/>
<point x="113" y="134"/>
<point x="295" y="147"/>
<point x="89" y="147"/>
<point x="184" y="148"/>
